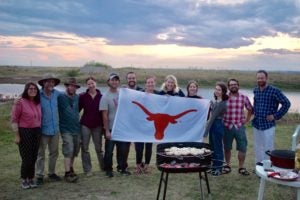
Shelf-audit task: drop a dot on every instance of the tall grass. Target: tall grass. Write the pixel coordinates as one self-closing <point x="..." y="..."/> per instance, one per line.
<point x="205" y="78"/>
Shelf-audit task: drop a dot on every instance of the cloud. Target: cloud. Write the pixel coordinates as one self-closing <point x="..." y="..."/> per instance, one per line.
<point x="32" y="46"/>
<point x="202" y="23"/>
<point x="151" y="33"/>
<point x="280" y="51"/>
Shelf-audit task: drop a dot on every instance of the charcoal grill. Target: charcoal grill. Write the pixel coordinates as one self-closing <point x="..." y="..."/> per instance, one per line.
<point x="183" y="164"/>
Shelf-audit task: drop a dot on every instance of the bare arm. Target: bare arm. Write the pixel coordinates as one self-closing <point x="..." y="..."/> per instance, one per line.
<point x="248" y="116"/>
<point x="249" y="109"/>
<point x="106" y="124"/>
<point x="15" y="116"/>
<point x="17" y="138"/>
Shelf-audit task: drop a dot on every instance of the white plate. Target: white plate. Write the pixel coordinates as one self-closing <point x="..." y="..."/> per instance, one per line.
<point x="286" y="176"/>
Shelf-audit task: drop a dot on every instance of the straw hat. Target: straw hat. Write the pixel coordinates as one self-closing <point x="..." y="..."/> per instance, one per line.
<point x="47" y="77"/>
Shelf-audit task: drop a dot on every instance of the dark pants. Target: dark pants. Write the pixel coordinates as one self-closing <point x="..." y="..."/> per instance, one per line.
<point x="216" y="134"/>
<point x="122" y="148"/>
<point x="139" y="148"/>
<point x="28" y="148"/>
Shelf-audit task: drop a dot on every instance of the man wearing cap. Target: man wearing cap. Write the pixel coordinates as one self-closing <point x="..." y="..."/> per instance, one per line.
<point x="108" y="106"/>
<point x="50" y="128"/>
<point x="69" y="126"/>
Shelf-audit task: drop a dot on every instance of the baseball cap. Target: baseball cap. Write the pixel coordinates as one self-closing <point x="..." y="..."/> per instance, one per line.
<point x="113" y="75"/>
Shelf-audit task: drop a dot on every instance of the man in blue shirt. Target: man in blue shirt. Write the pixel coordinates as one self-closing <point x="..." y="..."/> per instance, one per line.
<point x="69" y="125"/>
<point x="50" y="129"/>
<point x="266" y="111"/>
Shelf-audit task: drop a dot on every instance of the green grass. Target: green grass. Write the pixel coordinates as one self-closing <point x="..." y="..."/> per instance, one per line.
<point x="181" y="186"/>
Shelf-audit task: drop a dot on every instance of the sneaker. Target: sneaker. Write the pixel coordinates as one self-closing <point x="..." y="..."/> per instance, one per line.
<point x="25" y="185"/>
<point x="70" y="178"/>
<point x="125" y="173"/>
<point x="54" y="177"/>
<point x="74" y="176"/>
<point x="40" y="181"/>
<point x="88" y="174"/>
<point x="72" y="172"/>
<point x="109" y="174"/>
<point x="32" y="183"/>
<point x="216" y="172"/>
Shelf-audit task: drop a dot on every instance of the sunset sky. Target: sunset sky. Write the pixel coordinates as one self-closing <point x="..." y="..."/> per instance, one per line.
<point x="210" y="34"/>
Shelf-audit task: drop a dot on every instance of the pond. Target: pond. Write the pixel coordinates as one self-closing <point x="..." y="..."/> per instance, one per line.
<point x="207" y="93"/>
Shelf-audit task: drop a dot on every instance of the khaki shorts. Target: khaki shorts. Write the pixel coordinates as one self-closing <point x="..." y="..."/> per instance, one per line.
<point x="70" y="145"/>
<point x="239" y="135"/>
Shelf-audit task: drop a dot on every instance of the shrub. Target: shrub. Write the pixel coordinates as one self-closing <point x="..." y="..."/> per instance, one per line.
<point x="73" y="73"/>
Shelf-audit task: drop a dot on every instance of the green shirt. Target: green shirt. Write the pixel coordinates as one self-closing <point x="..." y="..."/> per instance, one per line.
<point x="69" y="114"/>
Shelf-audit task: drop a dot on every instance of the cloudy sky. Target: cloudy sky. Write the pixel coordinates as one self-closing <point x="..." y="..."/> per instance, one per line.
<point x="230" y="34"/>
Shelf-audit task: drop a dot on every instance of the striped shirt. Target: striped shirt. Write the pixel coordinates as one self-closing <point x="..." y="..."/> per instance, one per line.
<point x="234" y="115"/>
<point x="266" y="102"/>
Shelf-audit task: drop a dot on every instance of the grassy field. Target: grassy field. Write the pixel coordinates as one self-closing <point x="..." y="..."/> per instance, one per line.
<point x="205" y="78"/>
<point x="181" y="186"/>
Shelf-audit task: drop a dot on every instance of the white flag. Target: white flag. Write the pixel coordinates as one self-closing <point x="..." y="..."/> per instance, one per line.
<point x="145" y="117"/>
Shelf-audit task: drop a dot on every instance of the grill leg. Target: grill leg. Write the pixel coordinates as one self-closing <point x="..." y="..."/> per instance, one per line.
<point x="166" y="184"/>
<point x="160" y="181"/>
<point x="200" y="179"/>
<point x="207" y="185"/>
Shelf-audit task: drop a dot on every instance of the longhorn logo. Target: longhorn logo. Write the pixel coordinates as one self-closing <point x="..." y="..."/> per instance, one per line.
<point x="161" y="120"/>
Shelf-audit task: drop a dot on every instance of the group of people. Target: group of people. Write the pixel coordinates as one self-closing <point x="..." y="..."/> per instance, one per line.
<point x="227" y="122"/>
<point x="41" y="114"/>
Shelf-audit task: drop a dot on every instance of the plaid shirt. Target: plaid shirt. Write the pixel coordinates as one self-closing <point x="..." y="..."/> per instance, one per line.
<point x="234" y="115"/>
<point x="267" y="102"/>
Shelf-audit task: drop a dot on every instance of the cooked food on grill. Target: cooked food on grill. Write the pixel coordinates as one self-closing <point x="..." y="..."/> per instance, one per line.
<point x="180" y="165"/>
<point x="176" y="151"/>
<point x="207" y="150"/>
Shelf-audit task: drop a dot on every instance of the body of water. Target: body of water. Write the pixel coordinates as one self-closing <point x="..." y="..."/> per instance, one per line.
<point x="206" y="93"/>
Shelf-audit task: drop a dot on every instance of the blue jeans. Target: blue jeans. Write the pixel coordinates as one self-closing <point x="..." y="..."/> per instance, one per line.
<point x="216" y="134"/>
<point x="122" y="148"/>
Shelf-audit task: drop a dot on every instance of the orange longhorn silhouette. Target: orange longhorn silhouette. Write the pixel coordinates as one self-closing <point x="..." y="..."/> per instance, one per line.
<point x="161" y="120"/>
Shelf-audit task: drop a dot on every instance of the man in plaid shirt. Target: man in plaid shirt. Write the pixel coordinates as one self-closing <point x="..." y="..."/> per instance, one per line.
<point x="234" y="121"/>
<point x="266" y="103"/>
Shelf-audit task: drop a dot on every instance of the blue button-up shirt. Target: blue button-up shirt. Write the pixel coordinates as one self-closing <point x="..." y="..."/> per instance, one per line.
<point x="266" y="102"/>
<point x="50" y="117"/>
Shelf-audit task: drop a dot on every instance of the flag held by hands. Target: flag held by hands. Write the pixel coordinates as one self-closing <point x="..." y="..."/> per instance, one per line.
<point x="145" y="117"/>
